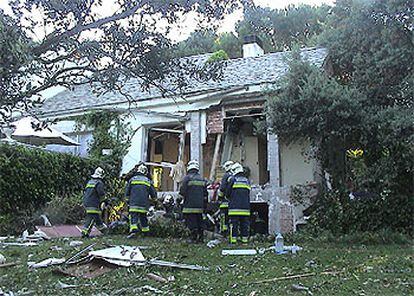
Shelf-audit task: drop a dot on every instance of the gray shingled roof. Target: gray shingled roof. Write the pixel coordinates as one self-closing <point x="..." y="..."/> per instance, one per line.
<point x="238" y="72"/>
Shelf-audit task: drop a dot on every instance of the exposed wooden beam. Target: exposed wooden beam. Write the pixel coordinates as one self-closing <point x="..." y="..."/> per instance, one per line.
<point x="215" y="157"/>
<point x="244" y="115"/>
<point x="166" y="130"/>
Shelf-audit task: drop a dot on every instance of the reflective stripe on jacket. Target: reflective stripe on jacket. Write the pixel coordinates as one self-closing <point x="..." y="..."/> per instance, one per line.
<point x="137" y="193"/>
<point x="92" y="195"/>
<point x="194" y="190"/>
<point x="238" y="191"/>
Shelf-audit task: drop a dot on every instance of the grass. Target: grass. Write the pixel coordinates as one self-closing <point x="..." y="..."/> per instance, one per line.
<point x="365" y="270"/>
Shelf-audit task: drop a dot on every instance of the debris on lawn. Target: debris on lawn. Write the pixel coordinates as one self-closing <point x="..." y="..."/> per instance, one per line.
<point x="148" y="288"/>
<point x="56" y="248"/>
<point x="300" y="288"/>
<point x="78" y="254"/>
<point x="239" y="252"/>
<point x="28" y="244"/>
<point x="289" y="277"/>
<point x="213" y="243"/>
<point x="120" y="255"/>
<point x="46" y="262"/>
<point x="75" y="243"/>
<point x="46" y="221"/>
<point x="37" y="236"/>
<point x="157" y="278"/>
<point x="8" y="265"/>
<point x="98" y="262"/>
<point x="60" y="231"/>
<point x="61" y="285"/>
<point x="88" y="270"/>
<point x="177" y="265"/>
<point x="294" y="249"/>
<point x="2" y="259"/>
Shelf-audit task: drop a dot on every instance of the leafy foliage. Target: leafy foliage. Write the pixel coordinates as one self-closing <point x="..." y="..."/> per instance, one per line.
<point x="110" y="131"/>
<point x="29" y="178"/>
<point x="279" y="29"/>
<point x="282" y="29"/>
<point x="366" y="105"/>
<point x="218" y="56"/>
<point x="69" y="43"/>
<point x="64" y="210"/>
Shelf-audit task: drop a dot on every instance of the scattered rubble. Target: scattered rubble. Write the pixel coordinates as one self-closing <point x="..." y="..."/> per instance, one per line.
<point x="301" y="288"/>
<point x="60" y="231"/>
<point x="75" y="243"/>
<point x="213" y="243"/>
<point x="157" y="278"/>
<point x="239" y="252"/>
<point x="46" y="263"/>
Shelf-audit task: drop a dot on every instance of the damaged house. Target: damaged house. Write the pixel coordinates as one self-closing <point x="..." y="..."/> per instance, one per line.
<point x="216" y="122"/>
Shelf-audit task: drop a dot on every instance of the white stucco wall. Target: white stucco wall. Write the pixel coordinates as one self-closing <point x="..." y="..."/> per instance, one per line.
<point x="296" y="168"/>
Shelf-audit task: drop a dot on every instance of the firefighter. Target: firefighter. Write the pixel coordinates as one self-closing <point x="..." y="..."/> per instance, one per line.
<point x="193" y="189"/>
<point x="223" y="199"/>
<point x="238" y="191"/>
<point x="92" y="196"/>
<point x="137" y="194"/>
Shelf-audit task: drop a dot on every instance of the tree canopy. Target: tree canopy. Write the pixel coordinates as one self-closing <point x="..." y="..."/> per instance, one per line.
<point x="66" y="43"/>
<point x="360" y="117"/>
<point x="279" y="29"/>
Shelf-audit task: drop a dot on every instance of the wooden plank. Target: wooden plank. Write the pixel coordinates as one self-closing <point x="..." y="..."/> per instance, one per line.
<point x="166" y="130"/>
<point x="244" y="115"/>
<point x="215" y="157"/>
<point x="160" y="164"/>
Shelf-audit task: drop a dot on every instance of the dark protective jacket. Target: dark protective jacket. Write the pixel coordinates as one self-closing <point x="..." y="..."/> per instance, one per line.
<point x="92" y="195"/>
<point x="238" y="191"/>
<point x="194" y="190"/>
<point x="224" y="202"/>
<point x="137" y="193"/>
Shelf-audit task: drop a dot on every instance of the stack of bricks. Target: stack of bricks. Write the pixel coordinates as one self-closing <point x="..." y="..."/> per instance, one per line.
<point x="286" y="218"/>
<point x="215" y="122"/>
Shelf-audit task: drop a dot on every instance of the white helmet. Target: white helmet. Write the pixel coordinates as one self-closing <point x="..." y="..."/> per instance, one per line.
<point x="142" y="169"/>
<point x="99" y="173"/>
<point x="227" y="165"/>
<point x="193" y="165"/>
<point x="237" y="168"/>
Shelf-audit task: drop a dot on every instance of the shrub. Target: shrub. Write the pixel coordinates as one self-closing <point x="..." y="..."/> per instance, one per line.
<point x="29" y="178"/>
<point x="64" y="210"/>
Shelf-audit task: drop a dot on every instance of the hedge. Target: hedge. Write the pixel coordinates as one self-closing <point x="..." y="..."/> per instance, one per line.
<point x="30" y="177"/>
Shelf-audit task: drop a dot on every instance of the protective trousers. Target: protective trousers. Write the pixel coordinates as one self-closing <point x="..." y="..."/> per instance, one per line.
<point x="134" y="217"/>
<point x="224" y="218"/>
<point x="239" y="227"/>
<point x="91" y="219"/>
<point x="195" y="223"/>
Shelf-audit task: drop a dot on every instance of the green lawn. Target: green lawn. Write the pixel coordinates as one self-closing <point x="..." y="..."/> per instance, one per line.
<point x="365" y="270"/>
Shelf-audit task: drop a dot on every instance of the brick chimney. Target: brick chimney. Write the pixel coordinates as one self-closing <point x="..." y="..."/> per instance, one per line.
<point x="252" y="46"/>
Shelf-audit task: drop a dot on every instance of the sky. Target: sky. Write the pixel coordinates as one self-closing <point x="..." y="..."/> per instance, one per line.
<point x="189" y="23"/>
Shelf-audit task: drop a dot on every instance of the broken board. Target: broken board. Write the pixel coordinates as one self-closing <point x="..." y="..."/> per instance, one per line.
<point x="120" y="255"/>
<point x="90" y="270"/>
<point x="66" y="231"/>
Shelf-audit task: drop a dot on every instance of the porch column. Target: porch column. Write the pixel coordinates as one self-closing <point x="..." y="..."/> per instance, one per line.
<point x="196" y="151"/>
<point x="273" y="160"/>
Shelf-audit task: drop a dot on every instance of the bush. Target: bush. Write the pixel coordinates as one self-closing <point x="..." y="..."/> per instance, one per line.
<point x="29" y="178"/>
<point x="64" y="210"/>
<point x="164" y="227"/>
